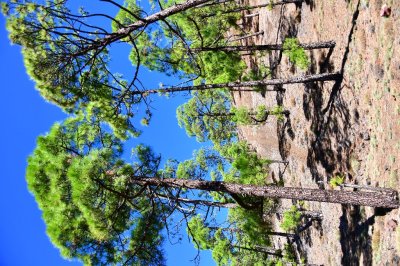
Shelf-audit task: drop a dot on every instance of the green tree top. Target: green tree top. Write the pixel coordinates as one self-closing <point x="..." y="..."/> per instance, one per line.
<point x="200" y="117"/>
<point x="91" y="210"/>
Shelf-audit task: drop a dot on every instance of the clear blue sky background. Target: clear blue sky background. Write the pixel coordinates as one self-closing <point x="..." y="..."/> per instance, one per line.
<point x="24" y="116"/>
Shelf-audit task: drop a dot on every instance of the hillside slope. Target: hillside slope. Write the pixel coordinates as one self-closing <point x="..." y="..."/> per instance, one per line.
<point x="350" y="127"/>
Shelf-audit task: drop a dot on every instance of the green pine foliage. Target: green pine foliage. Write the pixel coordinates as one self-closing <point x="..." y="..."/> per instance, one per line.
<point x="200" y="233"/>
<point x="289" y="255"/>
<point x="336" y="180"/>
<point x="241" y="116"/>
<point x="291" y="219"/>
<point x="231" y="246"/>
<point x="278" y="112"/>
<point x="246" y="166"/>
<point x="296" y="54"/>
<point x="81" y="187"/>
<point x="204" y="117"/>
<point x="73" y="82"/>
<point x="164" y="50"/>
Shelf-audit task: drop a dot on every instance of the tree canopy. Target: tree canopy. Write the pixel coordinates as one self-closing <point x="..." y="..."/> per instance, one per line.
<point x="91" y="210"/>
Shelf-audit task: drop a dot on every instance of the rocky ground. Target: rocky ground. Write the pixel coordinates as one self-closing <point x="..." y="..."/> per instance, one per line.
<point x="349" y="127"/>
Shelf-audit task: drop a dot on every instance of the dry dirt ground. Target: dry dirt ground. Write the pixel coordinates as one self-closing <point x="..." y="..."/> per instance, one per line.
<point x="351" y="126"/>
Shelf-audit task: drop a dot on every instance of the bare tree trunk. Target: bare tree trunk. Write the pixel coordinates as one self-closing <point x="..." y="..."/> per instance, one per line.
<point x="247" y="36"/>
<point x="270" y="4"/>
<point x="236" y="230"/>
<point x="311" y="214"/>
<point x="264" y="47"/>
<point x="265" y="250"/>
<point x="200" y="202"/>
<point x="237" y="85"/>
<point x="251" y="15"/>
<point x="251" y="114"/>
<point x="373" y="199"/>
<point x="314" y="215"/>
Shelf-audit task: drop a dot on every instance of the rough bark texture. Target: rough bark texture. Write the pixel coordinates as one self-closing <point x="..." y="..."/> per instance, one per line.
<point x="265" y="47"/>
<point x="236" y="86"/>
<point x="387" y="199"/>
<point x="269" y="4"/>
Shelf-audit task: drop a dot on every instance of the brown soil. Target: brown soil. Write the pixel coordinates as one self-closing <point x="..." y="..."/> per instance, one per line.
<point x="351" y="126"/>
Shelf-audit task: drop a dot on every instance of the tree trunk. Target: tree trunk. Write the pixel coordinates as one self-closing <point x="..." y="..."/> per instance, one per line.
<point x="124" y="32"/>
<point x="373" y="199"/>
<point x="251" y="15"/>
<point x="264" y="47"/>
<point x="311" y="214"/>
<point x="200" y="202"/>
<point x="268" y="251"/>
<point x="270" y="4"/>
<point x="251" y="114"/>
<point x="235" y="230"/>
<point x="237" y="85"/>
<point x="247" y="36"/>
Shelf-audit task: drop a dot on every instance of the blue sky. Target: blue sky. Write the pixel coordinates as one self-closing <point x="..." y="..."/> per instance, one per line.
<point x="24" y="116"/>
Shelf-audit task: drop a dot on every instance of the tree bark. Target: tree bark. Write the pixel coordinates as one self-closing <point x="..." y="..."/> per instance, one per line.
<point x="251" y="15"/>
<point x="373" y="199"/>
<point x="264" y="47"/>
<point x="235" y="230"/>
<point x="313" y="215"/>
<point x="237" y="85"/>
<point x="251" y="114"/>
<point x="272" y="4"/>
<point x="124" y="32"/>
<point x="200" y="202"/>
<point x="247" y="36"/>
<point x="268" y="251"/>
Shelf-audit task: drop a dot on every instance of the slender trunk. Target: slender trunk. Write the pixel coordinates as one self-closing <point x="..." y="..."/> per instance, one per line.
<point x="264" y="47"/>
<point x="237" y="85"/>
<point x="265" y="250"/>
<point x="278" y="161"/>
<point x="313" y="215"/>
<point x="200" y="202"/>
<point x="247" y="36"/>
<point x="214" y="3"/>
<point x="124" y="32"/>
<point x="251" y="15"/>
<point x="373" y="199"/>
<point x="270" y="4"/>
<point x="267" y="113"/>
<point x="236" y="230"/>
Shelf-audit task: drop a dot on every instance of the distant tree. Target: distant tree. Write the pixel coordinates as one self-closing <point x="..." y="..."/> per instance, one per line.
<point x="229" y="247"/>
<point x="218" y="129"/>
<point x="233" y="246"/>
